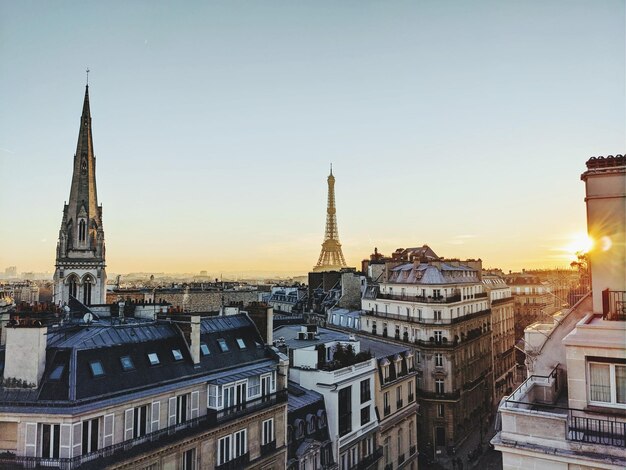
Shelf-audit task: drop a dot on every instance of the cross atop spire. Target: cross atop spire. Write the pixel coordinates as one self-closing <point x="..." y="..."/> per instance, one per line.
<point x="87" y="71"/>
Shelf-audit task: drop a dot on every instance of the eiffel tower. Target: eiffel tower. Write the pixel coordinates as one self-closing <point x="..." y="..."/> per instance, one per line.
<point x="331" y="257"/>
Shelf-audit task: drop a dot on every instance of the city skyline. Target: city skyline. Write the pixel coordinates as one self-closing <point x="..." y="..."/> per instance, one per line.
<point x="211" y="173"/>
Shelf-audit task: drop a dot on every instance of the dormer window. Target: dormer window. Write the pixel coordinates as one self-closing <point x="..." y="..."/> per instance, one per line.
<point x="178" y="356"/>
<point x="57" y="372"/>
<point x="96" y="368"/>
<point x="127" y="363"/>
<point x="204" y="349"/>
<point x="241" y="344"/>
<point x="222" y="344"/>
<point x="154" y="359"/>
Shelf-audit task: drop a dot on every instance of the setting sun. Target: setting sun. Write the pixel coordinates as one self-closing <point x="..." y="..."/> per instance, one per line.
<point x="580" y="243"/>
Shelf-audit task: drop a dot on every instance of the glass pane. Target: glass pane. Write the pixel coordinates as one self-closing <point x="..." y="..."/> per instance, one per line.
<point x="177" y="354"/>
<point x="96" y="368"/>
<point x="599" y="382"/>
<point x="204" y="349"/>
<point x="127" y="363"/>
<point x="241" y="344"/>
<point x="56" y="373"/>
<point x="222" y="344"/>
<point x="620" y="381"/>
<point x="153" y="358"/>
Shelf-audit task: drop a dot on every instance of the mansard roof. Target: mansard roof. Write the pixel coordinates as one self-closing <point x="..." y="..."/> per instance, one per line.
<point x="233" y="343"/>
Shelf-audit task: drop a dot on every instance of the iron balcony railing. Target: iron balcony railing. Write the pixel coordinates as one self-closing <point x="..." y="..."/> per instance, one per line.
<point x="236" y="463"/>
<point x="426" y="321"/>
<point x="268" y="448"/>
<point x="131" y="447"/>
<point x="614" y="305"/>
<point x="369" y="461"/>
<point x="588" y="426"/>
<point x="422" y="299"/>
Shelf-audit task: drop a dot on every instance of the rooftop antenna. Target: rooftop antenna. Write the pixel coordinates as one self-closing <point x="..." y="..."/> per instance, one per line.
<point x="87" y="71"/>
<point x="331" y="168"/>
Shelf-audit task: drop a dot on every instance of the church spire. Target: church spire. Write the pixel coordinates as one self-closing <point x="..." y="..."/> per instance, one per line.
<point x="80" y="264"/>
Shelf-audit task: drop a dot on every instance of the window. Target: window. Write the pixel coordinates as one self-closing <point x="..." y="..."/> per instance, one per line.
<point x="254" y="386"/>
<point x="437" y="315"/>
<point x="387" y="450"/>
<point x="224" y="450"/>
<point x="365" y="415"/>
<point x="418" y="357"/>
<point x="268" y="431"/>
<point x="411" y="387"/>
<point x="438" y="336"/>
<point x="222" y="344"/>
<point x="140" y="421"/>
<point x="345" y="410"/>
<point x="204" y="349"/>
<point x="57" y="372"/>
<point x="154" y="359"/>
<point x="51" y="438"/>
<point x="441" y="412"/>
<point x="215" y="396"/>
<point x="177" y="354"/>
<point x="399" y="396"/>
<point x="439" y="389"/>
<point x="387" y="408"/>
<point x="365" y="391"/>
<point x="127" y="363"/>
<point x="96" y="368"/>
<point x="189" y="460"/>
<point x="90" y="435"/>
<point x="181" y="408"/>
<point x="438" y="359"/>
<point x="607" y="383"/>
<point x="241" y="344"/>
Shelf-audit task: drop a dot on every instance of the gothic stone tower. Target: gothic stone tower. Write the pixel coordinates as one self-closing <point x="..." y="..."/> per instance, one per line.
<point x="331" y="257"/>
<point x="80" y="266"/>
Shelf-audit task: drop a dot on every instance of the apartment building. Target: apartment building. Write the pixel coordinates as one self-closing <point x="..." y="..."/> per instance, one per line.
<point x="501" y="304"/>
<point x="441" y="307"/>
<point x="571" y="412"/>
<point x="333" y="364"/>
<point x="183" y="392"/>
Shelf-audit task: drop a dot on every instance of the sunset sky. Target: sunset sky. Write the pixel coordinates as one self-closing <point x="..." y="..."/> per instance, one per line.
<point x="462" y="125"/>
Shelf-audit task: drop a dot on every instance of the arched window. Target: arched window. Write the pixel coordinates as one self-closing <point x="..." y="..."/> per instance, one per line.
<point x="73" y="285"/>
<point x="82" y="230"/>
<point x="87" y="291"/>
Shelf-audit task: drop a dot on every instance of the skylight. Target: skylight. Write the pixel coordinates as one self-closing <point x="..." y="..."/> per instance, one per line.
<point x="154" y="359"/>
<point x="241" y="344"/>
<point x="177" y="354"/>
<point x="57" y="372"/>
<point x="96" y="368"/>
<point x="127" y="363"/>
<point x="204" y="349"/>
<point x="222" y="344"/>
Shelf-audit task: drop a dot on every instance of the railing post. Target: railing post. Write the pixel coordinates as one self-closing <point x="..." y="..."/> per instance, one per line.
<point x="605" y="303"/>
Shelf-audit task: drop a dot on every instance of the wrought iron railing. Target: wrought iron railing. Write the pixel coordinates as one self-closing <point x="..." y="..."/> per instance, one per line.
<point x="268" y="448"/>
<point x="426" y="321"/>
<point x="235" y="463"/>
<point x="421" y="299"/>
<point x="614" y="305"/>
<point x="127" y="449"/>
<point x="367" y="462"/>
<point x="588" y="426"/>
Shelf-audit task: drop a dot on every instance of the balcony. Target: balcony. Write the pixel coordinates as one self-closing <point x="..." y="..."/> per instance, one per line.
<point x="370" y="460"/>
<point x="537" y="411"/>
<point x="412" y="450"/>
<point x="424" y="321"/>
<point x="386" y="410"/>
<point x="235" y="463"/>
<point x="149" y="442"/>
<point x="614" y="305"/>
<point x="400" y="459"/>
<point x="268" y="448"/>
<point x="421" y="299"/>
<point x="411" y="398"/>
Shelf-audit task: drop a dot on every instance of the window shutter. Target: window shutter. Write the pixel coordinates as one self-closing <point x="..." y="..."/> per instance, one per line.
<point x="195" y="404"/>
<point x="128" y="423"/>
<point x="109" y="423"/>
<point x="172" y="412"/>
<point x="65" y="441"/>
<point x="77" y="439"/>
<point x="156" y="415"/>
<point x="30" y="441"/>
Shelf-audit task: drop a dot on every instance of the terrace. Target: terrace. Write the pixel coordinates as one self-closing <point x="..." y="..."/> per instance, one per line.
<point x="536" y="416"/>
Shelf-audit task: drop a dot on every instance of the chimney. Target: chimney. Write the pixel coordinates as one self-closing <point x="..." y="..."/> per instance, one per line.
<point x="25" y="357"/>
<point x="194" y="343"/>
<point x="270" y="326"/>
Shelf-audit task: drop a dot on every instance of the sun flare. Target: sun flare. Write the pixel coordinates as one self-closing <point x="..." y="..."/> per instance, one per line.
<point x="580" y="243"/>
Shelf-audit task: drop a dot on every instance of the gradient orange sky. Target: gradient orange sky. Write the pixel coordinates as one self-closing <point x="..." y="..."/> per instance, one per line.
<point x="461" y="125"/>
